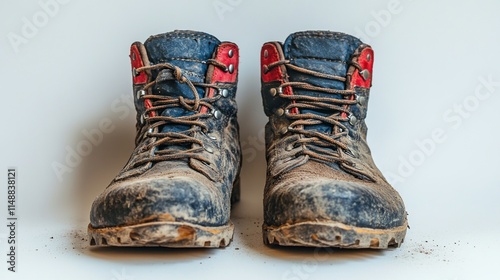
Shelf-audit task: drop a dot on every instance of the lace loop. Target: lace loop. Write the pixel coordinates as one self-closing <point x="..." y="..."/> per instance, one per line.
<point x="175" y="145"/>
<point x="319" y="145"/>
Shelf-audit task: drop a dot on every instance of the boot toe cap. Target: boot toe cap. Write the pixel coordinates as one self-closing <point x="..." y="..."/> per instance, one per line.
<point x="182" y="199"/>
<point x="350" y="203"/>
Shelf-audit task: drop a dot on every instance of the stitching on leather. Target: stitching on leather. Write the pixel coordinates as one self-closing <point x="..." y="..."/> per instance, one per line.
<point x="341" y="36"/>
<point x="187" y="36"/>
<point x="338" y="36"/>
<point x="318" y="58"/>
<point x="188" y="59"/>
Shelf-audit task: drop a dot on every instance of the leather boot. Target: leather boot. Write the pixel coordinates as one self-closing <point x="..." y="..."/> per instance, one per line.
<point x="323" y="188"/>
<point x="176" y="189"/>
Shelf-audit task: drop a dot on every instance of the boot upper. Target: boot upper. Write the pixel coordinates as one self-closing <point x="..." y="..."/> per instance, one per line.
<point x="315" y="91"/>
<point x="187" y="152"/>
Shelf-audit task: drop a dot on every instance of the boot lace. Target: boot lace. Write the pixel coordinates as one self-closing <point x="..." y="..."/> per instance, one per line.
<point x="154" y="121"/>
<point x="317" y="145"/>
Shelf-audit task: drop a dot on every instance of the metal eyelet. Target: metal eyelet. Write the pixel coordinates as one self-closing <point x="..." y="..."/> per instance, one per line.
<point x="280" y="112"/>
<point x="365" y="74"/>
<point x="208" y="149"/>
<point x="230" y="68"/>
<point x="140" y="93"/>
<point x="361" y="100"/>
<point x="144" y="118"/>
<point x="352" y="119"/>
<point x="216" y="113"/>
<point x="266" y="54"/>
<point x="273" y="91"/>
<point x="230" y="53"/>
<point x="368" y="57"/>
<point x="150" y="130"/>
<point x="211" y="136"/>
<point x="134" y="72"/>
<point x="224" y="92"/>
<point x="288" y="148"/>
<point x="283" y="130"/>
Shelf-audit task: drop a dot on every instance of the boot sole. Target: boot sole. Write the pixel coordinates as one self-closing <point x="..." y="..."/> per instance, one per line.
<point x="167" y="234"/>
<point x="333" y="234"/>
<point x="162" y="234"/>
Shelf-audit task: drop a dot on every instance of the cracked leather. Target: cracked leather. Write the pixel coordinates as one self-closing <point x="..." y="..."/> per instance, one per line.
<point x="173" y="190"/>
<point x="301" y="188"/>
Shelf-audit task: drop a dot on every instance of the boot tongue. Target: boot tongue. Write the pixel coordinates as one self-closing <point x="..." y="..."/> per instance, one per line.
<point x="187" y="50"/>
<point x="324" y="52"/>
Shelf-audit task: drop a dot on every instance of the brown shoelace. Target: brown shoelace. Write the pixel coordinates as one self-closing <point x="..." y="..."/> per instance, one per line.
<point x="319" y="145"/>
<point x="154" y="121"/>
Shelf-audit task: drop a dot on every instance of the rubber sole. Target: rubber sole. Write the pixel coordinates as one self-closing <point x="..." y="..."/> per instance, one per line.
<point x="167" y="234"/>
<point x="162" y="234"/>
<point x="333" y="234"/>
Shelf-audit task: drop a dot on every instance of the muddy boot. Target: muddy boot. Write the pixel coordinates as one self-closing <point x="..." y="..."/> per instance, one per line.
<point x="177" y="187"/>
<point x="323" y="188"/>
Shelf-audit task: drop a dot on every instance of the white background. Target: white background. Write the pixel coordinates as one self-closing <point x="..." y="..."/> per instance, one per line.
<point x="71" y="71"/>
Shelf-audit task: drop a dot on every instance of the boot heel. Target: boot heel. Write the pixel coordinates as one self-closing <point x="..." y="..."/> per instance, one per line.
<point x="235" y="194"/>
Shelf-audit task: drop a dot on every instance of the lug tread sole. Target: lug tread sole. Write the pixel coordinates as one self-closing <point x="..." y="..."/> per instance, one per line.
<point x="162" y="234"/>
<point x="333" y="234"/>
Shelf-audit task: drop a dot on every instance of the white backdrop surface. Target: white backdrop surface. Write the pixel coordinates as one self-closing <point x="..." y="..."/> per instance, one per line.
<point x="432" y="123"/>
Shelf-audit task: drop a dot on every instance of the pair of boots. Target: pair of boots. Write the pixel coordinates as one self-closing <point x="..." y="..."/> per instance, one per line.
<point x="322" y="187"/>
